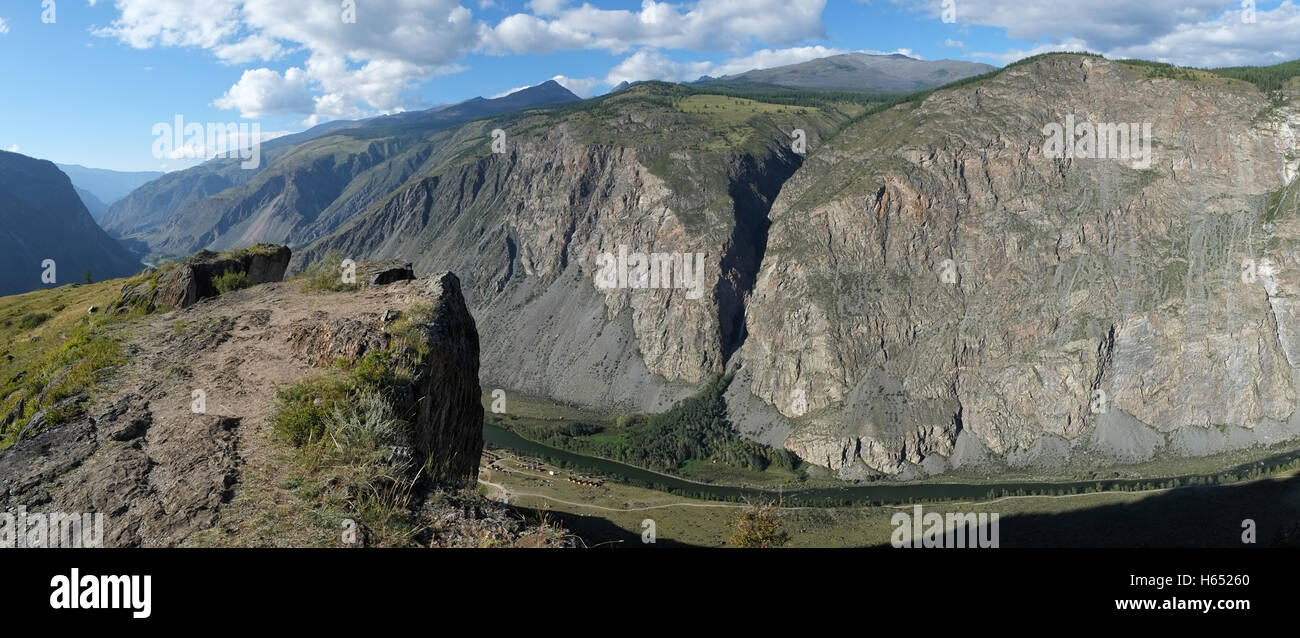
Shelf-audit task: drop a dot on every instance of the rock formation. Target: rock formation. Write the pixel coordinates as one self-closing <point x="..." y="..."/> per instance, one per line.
<point x="183" y="284"/>
<point x="449" y="421"/>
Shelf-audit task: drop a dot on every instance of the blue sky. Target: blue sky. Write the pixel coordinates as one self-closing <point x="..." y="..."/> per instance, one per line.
<point x="88" y="87"/>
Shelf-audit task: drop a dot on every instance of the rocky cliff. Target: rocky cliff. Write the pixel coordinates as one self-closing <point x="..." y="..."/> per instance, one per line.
<point x="928" y="290"/>
<point x="925" y="286"/>
<point x="937" y="290"/>
<point x="528" y="227"/>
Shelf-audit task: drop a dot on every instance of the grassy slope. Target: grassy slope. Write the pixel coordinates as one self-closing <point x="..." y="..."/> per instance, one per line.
<point x="71" y="343"/>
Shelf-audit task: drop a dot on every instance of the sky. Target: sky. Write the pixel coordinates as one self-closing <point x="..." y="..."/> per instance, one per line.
<point x="87" y="81"/>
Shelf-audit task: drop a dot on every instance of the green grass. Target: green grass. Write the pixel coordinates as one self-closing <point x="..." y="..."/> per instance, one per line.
<point x="54" y="349"/>
<point x="326" y="275"/>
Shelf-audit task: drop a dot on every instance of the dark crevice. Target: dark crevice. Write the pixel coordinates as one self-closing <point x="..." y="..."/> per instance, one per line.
<point x="755" y="183"/>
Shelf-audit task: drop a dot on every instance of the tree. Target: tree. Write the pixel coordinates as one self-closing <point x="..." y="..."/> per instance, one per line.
<point x="760" y="526"/>
<point x="85" y="276"/>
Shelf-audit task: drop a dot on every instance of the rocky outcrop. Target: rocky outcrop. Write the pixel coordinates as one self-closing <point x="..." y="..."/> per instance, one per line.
<point x="384" y="272"/>
<point x="442" y="399"/>
<point x="321" y="343"/>
<point x="182" y="285"/>
<point x="449" y="421"/>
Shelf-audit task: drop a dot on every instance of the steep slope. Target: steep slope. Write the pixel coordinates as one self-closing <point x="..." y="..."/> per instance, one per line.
<point x="42" y="218"/>
<point x="653" y="169"/>
<point x="305" y="186"/>
<point x="106" y="185"/>
<point x="95" y="206"/>
<point x="936" y="291"/>
<point x="894" y="73"/>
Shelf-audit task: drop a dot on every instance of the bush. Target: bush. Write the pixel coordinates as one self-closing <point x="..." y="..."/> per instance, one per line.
<point x="32" y="320"/>
<point x="760" y="526"/>
<point x="301" y="410"/>
<point x="231" y="281"/>
<point x="326" y="275"/>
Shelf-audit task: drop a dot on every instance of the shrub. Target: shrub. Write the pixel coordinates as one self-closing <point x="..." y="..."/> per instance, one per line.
<point x="760" y="526"/>
<point x="231" y="281"/>
<point x="326" y="275"/>
<point x="300" y="410"/>
<point x="32" y="320"/>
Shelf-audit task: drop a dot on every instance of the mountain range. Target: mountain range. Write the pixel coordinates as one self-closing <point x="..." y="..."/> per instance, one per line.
<point x="99" y="187"/>
<point x="894" y="73"/>
<point x="919" y="287"/>
<point x="42" y="223"/>
<point x="308" y="184"/>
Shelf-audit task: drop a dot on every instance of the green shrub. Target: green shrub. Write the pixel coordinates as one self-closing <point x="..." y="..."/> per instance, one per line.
<point x="32" y="320"/>
<point x="231" y="281"/>
<point x="326" y="275"/>
<point x="300" y="410"/>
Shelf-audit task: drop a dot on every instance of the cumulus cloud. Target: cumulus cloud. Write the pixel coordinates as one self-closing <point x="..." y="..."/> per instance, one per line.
<point x="581" y="87"/>
<point x="653" y="65"/>
<point x="13" y="149"/>
<point x="1204" y="33"/>
<point x="4" y="28"/>
<point x="707" y="24"/>
<point x="261" y="92"/>
<point x="374" y="64"/>
<point x="367" y="64"/>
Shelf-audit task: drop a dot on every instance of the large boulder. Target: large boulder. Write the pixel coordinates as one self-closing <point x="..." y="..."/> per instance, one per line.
<point x="384" y="272"/>
<point x="182" y="285"/>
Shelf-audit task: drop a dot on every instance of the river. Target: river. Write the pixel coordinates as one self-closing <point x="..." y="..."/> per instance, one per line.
<point x="879" y="493"/>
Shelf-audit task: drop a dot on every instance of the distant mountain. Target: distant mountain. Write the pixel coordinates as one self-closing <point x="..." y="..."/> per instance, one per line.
<point x="41" y="217"/>
<point x="107" y="186"/>
<point x="95" y="205"/>
<point x="308" y="184"/>
<point x="894" y="73"/>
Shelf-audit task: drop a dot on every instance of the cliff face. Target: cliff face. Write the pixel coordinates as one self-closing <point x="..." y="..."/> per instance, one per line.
<point x="528" y="228"/>
<point x="933" y="280"/>
<point x="927" y="290"/>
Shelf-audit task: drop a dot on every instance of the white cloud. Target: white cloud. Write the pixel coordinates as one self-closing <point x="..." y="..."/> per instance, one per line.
<point x="1007" y="57"/>
<point x="1203" y="33"/>
<point x="371" y="64"/>
<point x="4" y="28"/>
<point x="546" y="7"/>
<point x="374" y="65"/>
<point x="768" y="58"/>
<point x="13" y="149"/>
<point x="262" y="92"/>
<point x="653" y="65"/>
<point x="956" y="44"/>
<point x="707" y="24"/>
<point x="1225" y="41"/>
